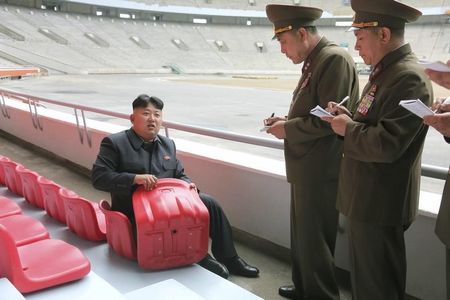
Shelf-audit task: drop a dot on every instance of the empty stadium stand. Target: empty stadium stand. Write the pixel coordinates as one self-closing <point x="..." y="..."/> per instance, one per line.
<point x="80" y="44"/>
<point x="336" y="7"/>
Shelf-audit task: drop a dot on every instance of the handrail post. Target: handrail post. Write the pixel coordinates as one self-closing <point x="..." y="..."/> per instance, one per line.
<point x="80" y="133"/>
<point x="37" y="116"/>
<point x="34" y="115"/>
<point x="84" y="131"/>
<point x="5" y="112"/>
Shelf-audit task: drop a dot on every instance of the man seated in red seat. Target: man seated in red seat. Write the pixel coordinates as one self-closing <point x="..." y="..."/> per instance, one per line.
<point x="138" y="157"/>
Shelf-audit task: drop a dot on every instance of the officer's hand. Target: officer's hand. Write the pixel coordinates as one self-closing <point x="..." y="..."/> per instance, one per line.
<point x="277" y="129"/>
<point x="270" y="121"/>
<point x="148" y="181"/>
<point x="441" y="105"/>
<point x="339" y="124"/>
<point x="444" y="107"/>
<point x="441" y="122"/>
<point x="441" y="78"/>
<point x="335" y="109"/>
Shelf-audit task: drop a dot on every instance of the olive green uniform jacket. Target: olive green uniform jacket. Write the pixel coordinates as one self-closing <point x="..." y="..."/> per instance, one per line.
<point x="312" y="149"/>
<point x="381" y="165"/>
<point x="312" y="154"/>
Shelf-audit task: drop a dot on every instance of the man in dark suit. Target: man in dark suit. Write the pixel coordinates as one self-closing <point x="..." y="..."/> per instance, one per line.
<point x="312" y="151"/>
<point x="441" y="122"/>
<point x="138" y="157"/>
<point x="379" y="179"/>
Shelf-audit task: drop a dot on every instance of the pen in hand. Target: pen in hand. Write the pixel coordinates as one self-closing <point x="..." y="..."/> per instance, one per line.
<point x="266" y="122"/>
<point x="343" y="101"/>
<point x="438" y="110"/>
<point x="333" y="109"/>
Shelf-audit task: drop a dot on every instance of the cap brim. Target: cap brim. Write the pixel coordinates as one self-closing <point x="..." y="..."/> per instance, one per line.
<point x="351" y="29"/>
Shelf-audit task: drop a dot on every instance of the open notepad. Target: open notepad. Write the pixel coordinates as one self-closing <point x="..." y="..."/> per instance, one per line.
<point x="416" y="107"/>
<point x="435" y="65"/>
<point x="320" y="112"/>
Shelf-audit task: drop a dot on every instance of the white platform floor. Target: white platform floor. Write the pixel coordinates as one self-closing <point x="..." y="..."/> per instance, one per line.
<point x="112" y="276"/>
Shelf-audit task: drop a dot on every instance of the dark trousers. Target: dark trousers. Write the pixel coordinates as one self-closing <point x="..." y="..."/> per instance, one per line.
<point x="222" y="245"/>
<point x="314" y="221"/>
<point x="378" y="261"/>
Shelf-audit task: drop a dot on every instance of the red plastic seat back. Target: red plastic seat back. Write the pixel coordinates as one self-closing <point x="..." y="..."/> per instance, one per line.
<point x="24" y="229"/>
<point x="2" y="172"/>
<point x="12" y="180"/>
<point x="119" y="233"/>
<point x="10" y="266"/>
<point x="82" y="216"/>
<point x="53" y="204"/>
<point x="172" y="225"/>
<point x="30" y="186"/>
<point x="41" y="264"/>
<point x="8" y="207"/>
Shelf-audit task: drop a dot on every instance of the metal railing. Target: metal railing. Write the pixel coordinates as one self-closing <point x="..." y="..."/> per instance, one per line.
<point x="33" y="101"/>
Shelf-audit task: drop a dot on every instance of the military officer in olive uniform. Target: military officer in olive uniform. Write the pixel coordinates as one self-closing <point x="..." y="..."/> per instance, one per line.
<point x="380" y="168"/>
<point x="312" y="150"/>
<point x="441" y="122"/>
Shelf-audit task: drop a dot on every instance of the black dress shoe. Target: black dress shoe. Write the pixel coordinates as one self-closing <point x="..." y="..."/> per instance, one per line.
<point x="287" y="291"/>
<point x="209" y="263"/>
<point x="237" y="266"/>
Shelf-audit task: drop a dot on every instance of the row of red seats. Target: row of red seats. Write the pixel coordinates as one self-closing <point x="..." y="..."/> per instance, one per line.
<point x="30" y="259"/>
<point x="87" y="219"/>
<point x="172" y="222"/>
<point x="81" y="215"/>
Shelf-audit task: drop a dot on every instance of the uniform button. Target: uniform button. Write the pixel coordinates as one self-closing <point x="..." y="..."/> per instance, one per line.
<point x="343" y="156"/>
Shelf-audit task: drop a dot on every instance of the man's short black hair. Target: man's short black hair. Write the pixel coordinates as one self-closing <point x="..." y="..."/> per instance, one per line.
<point x="144" y="100"/>
<point x="398" y="33"/>
<point x="311" y="29"/>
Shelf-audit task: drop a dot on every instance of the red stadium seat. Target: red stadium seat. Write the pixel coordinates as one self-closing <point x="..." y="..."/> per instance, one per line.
<point x="83" y="216"/>
<point x="8" y="207"/>
<point x="2" y="172"/>
<point x="119" y="233"/>
<point x="53" y="204"/>
<point x="41" y="264"/>
<point x="30" y="186"/>
<point x="172" y="225"/>
<point x="12" y="180"/>
<point x="24" y="229"/>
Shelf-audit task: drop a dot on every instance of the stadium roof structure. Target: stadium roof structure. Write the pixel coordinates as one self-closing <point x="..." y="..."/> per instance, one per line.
<point x="173" y="9"/>
<point x="179" y="9"/>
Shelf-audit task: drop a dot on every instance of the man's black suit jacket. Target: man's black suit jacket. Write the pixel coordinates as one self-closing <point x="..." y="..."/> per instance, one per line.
<point x="121" y="157"/>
